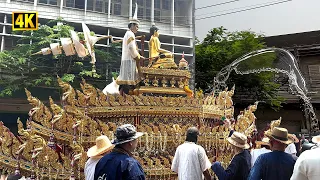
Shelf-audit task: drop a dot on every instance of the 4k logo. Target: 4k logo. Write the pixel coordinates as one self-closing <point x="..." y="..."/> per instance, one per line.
<point x="24" y="21"/>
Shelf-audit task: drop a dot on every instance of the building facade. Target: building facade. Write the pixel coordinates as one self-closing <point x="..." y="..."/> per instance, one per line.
<point x="174" y="18"/>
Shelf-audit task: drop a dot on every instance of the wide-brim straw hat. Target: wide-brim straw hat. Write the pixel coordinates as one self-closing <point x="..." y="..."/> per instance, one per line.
<point x="280" y="135"/>
<point x="239" y="140"/>
<point x="103" y="145"/>
<point x="316" y="139"/>
<point x="264" y="141"/>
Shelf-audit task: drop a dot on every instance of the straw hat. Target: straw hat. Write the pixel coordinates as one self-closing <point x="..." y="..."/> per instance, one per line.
<point x="280" y="135"/>
<point x="239" y="140"/>
<point x="316" y="139"/>
<point x="103" y="144"/>
<point x="293" y="137"/>
<point x="126" y="133"/>
<point x="264" y="141"/>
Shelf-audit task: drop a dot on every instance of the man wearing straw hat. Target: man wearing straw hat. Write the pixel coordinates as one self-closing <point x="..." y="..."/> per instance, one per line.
<point x="307" y="166"/>
<point x="239" y="167"/>
<point x="120" y="163"/>
<point x="276" y="164"/>
<point x="264" y="148"/>
<point x="95" y="153"/>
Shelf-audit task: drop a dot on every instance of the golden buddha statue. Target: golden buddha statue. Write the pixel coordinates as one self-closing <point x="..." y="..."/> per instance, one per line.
<point x="163" y="58"/>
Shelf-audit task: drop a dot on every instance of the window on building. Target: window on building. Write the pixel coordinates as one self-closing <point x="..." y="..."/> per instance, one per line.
<point x="69" y="3"/>
<point x="148" y="3"/>
<point x="148" y="14"/>
<point x="79" y="4"/>
<point x="117" y="9"/>
<point x="90" y="5"/>
<point x="157" y="4"/>
<point x="166" y="4"/>
<point x="43" y="1"/>
<point x="53" y="2"/>
<point x="106" y="6"/>
<point x="140" y="13"/>
<point x="99" y="5"/>
<point x="157" y="15"/>
<point x="140" y="2"/>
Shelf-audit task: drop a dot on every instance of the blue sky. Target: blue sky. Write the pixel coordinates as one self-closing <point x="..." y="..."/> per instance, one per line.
<point x="290" y="17"/>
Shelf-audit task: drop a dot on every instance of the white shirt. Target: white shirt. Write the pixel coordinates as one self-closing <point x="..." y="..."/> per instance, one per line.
<point x="307" y="166"/>
<point x="90" y="167"/>
<point x="190" y="161"/>
<point x="256" y="153"/>
<point x="291" y="149"/>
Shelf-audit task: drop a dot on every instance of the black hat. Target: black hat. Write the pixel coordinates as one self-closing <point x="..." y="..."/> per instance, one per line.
<point x="126" y="133"/>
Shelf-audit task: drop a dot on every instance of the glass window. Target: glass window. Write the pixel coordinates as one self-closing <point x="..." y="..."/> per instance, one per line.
<point x="157" y="4"/>
<point x="148" y="14"/>
<point x="117" y="9"/>
<point x="156" y="15"/>
<point x="79" y="4"/>
<point x="148" y="3"/>
<point x="69" y="3"/>
<point x="99" y="4"/>
<point x="116" y="1"/>
<point x="166" y="4"/>
<point x="90" y="5"/>
<point x="53" y="2"/>
<point x="140" y="13"/>
<point x="106" y="6"/>
<point x="140" y="2"/>
<point x="43" y="1"/>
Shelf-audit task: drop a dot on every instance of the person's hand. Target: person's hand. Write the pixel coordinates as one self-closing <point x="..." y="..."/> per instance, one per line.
<point x="216" y="163"/>
<point x="142" y="58"/>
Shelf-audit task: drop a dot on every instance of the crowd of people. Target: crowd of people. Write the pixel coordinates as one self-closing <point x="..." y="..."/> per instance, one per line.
<point x="274" y="160"/>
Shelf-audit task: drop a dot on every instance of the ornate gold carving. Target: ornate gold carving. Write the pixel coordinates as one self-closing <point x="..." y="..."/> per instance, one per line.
<point x="69" y="94"/>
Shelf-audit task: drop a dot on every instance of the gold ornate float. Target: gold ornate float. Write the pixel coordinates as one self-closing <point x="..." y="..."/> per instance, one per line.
<point x="56" y="137"/>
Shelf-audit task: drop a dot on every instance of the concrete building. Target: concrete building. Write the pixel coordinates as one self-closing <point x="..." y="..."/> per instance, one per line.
<point x="174" y="18"/>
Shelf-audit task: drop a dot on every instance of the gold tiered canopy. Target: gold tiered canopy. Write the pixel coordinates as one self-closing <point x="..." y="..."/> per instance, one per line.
<point x="56" y="137"/>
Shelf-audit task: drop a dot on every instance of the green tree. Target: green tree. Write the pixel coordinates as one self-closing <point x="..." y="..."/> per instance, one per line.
<point x="220" y="48"/>
<point x="21" y="69"/>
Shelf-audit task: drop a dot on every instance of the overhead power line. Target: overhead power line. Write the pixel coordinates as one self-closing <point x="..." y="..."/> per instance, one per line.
<point x="218" y="4"/>
<point x="246" y="9"/>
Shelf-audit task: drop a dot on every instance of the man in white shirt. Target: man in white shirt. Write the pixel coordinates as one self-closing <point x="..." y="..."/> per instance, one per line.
<point x="190" y="160"/>
<point x="265" y="148"/>
<point x="307" y="166"/>
<point x="95" y="153"/>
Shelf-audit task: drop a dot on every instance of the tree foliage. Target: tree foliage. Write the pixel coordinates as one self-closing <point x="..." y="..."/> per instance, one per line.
<point x="20" y="69"/>
<point x="220" y="48"/>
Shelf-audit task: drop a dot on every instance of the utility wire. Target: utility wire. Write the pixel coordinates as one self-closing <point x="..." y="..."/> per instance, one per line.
<point x="243" y="10"/>
<point x="218" y="4"/>
<point x="237" y="8"/>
